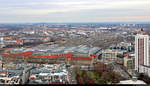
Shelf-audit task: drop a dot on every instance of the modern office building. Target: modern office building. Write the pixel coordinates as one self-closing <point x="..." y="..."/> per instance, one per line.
<point x="141" y="51"/>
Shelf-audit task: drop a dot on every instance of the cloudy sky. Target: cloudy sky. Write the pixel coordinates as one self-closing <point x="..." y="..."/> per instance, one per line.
<point x="74" y="10"/>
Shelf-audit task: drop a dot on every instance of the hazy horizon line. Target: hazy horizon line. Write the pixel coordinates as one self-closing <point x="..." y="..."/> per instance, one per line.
<point x="76" y="22"/>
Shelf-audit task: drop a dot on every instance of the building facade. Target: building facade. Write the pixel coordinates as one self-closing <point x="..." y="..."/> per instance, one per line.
<point x="141" y="51"/>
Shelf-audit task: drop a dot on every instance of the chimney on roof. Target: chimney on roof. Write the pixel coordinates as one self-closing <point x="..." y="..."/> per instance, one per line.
<point x="142" y="29"/>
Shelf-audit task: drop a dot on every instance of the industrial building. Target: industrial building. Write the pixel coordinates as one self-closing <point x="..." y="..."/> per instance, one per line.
<point x="78" y="55"/>
<point x="31" y="40"/>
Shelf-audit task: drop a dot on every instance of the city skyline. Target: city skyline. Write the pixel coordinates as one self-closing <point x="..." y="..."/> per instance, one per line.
<point x="74" y="11"/>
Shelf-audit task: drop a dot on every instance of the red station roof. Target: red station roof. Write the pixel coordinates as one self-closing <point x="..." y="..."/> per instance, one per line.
<point x="144" y="34"/>
<point x="9" y="55"/>
<point x="43" y="56"/>
<point x="68" y="55"/>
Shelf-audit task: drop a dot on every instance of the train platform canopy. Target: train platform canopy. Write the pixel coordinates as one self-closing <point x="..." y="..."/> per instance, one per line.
<point x="55" y="49"/>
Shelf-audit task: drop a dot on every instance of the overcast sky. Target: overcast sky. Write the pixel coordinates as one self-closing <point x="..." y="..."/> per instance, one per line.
<point x="74" y="10"/>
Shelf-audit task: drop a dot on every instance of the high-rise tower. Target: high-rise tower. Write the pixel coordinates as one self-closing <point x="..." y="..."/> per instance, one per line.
<point x="141" y="50"/>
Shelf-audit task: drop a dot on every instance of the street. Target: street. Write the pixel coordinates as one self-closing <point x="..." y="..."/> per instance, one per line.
<point x="122" y="72"/>
<point x="116" y="67"/>
<point x="72" y="79"/>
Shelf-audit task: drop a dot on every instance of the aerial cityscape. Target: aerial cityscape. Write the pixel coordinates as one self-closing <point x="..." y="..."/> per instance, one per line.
<point x="74" y="42"/>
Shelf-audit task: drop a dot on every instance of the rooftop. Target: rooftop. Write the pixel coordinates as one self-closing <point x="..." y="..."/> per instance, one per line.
<point x="49" y="73"/>
<point x="81" y="49"/>
<point x="132" y="82"/>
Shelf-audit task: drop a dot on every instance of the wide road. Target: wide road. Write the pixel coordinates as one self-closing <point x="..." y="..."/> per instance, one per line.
<point x="117" y="67"/>
<point x="122" y="72"/>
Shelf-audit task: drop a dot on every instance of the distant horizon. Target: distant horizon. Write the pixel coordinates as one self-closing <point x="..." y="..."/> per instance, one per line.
<point x="125" y="22"/>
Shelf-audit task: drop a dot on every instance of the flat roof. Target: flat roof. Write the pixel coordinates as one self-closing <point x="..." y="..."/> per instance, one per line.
<point x="81" y="49"/>
<point x="132" y="82"/>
